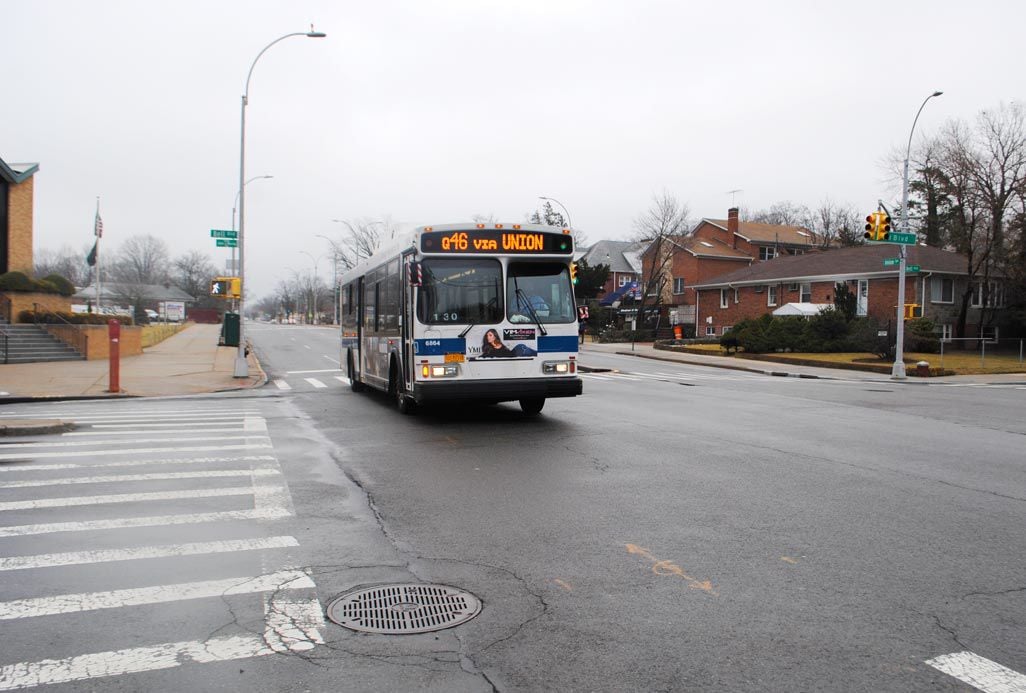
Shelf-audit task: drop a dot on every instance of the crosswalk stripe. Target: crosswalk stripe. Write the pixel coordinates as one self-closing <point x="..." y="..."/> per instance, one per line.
<point x="131" y="660"/>
<point x="292" y="625"/>
<point x="342" y="379"/>
<point x="980" y="673"/>
<point x="138" y="463"/>
<point x="315" y="382"/>
<point x="124" y="498"/>
<point x="119" y="478"/>
<point x="282" y="385"/>
<point x="54" y="560"/>
<point x="159" y="594"/>
<point x="152" y="521"/>
<point x="179" y="439"/>
<point x="135" y="451"/>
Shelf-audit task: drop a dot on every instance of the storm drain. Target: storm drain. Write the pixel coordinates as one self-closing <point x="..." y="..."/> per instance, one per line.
<point x="401" y="609"/>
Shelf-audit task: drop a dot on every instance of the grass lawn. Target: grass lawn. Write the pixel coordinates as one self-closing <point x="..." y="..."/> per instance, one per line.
<point x="962" y="363"/>
<point x="158" y="332"/>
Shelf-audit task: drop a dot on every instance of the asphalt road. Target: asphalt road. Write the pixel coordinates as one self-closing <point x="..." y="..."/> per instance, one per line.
<point x="675" y="528"/>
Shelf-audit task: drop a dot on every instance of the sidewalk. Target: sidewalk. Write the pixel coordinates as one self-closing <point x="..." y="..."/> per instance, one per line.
<point x="188" y="363"/>
<point x="648" y="351"/>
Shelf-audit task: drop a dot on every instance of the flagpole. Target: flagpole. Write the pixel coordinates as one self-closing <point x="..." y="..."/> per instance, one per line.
<point x="98" y="233"/>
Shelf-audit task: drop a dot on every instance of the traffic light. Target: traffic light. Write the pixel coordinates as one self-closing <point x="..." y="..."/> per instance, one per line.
<point x="234" y="287"/>
<point x="913" y="310"/>
<point x="871" y="228"/>
<point x="573" y="272"/>
<point x="884" y="229"/>
<point x="219" y="286"/>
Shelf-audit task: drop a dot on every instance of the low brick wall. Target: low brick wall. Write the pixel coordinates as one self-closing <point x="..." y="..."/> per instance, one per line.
<point x="98" y="342"/>
<point x="25" y="300"/>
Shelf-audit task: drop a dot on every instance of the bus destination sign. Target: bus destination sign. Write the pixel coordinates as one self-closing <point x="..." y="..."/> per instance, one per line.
<point x="496" y="241"/>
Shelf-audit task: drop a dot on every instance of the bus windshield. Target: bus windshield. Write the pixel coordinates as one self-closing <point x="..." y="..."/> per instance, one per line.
<point x="539" y="291"/>
<point x="460" y="290"/>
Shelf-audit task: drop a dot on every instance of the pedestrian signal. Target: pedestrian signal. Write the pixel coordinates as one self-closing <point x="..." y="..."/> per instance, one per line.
<point x="913" y="310"/>
<point x="226" y="287"/>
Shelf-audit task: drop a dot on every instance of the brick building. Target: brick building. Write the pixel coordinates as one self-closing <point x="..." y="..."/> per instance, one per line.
<point x="938" y="287"/>
<point x="16" y="189"/>
<point x="623" y="259"/>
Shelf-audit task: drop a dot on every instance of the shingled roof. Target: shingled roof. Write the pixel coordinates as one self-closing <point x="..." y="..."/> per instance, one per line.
<point x="768" y="233"/>
<point x="841" y="263"/>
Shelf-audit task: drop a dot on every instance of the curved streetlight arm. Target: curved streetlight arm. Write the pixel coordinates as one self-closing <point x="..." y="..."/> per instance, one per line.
<point x="249" y="75"/>
<point x="552" y="199"/>
<point x="908" y="150"/>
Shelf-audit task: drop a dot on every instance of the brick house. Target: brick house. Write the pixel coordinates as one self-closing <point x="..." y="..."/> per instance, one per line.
<point x="623" y="259"/>
<point x="16" y="192"/>
<point x="762" y="288"/>
<point x="716" y="247"/>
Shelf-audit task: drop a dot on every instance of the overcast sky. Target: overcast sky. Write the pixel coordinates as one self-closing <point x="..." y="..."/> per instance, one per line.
<point x="432" y="111"/>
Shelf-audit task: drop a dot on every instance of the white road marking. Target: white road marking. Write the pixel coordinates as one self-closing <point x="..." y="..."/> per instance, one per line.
<point x="53" y="560"/>
<point x="178" y="439"/>
<point x="323" y="370"/>
<point x="315" y="382"/>
<point x="135" y="463"/>
<point x="153" y="521"/>
<point x="91" y="415"/>
<point x="980" y="673"/>
<point x="292" y="625"/>
<point x="282" y="385"/>
<point x="118" y="478"/>
<point x="125" y="498"/>
<point x="335" y="361"/>
<point x="160" y="594"/>
<point x="342" y="379"/>
<point x="184" y="425"/>
<point x="145" y="432"/>
<point x="308" y="346"/>
<point x="134" y="451"/>
<point x="131" y="660"/>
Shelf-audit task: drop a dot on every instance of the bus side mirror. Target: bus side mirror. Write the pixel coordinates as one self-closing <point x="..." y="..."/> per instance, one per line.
<point x="416" y="273"/>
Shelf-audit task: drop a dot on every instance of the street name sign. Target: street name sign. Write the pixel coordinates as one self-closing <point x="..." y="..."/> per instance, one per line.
<point x="221" y="233"/>
<point x="227" y="243"/>
<point x="891" y="261"/>
<point x="903" y="238"/>
<point x="911" y="268"/>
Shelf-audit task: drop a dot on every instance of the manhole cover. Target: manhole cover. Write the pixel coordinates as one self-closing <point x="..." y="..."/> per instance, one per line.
<point x="400" y="609"/>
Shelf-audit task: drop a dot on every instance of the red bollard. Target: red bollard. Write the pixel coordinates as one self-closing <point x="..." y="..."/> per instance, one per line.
<point x="114" y="334"/>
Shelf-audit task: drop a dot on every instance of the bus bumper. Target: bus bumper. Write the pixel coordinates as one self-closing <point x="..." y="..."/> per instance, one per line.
<point x="496" y="390"/>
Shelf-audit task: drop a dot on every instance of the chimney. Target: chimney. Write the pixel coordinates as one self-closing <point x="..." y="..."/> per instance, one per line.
<point x="732" y="226"/>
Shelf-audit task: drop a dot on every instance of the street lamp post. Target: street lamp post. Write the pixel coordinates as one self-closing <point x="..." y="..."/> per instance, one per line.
<point x="241" y="367"/>
<point x="552" y="199"/>
<point x="898" y="369"/>
<point x="334" y="275"/>
<point x="235" y="207"/>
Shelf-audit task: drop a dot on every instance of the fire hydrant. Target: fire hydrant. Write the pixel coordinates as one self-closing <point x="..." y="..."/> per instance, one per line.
<point x="923" y="369"/>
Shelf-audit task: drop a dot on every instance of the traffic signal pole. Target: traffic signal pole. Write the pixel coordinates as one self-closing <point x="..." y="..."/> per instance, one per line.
<point x="898" y="369"/>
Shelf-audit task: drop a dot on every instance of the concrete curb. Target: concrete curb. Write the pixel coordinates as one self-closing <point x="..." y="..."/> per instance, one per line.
<point x="35" y="428"/>
<point x="782" y="374"/>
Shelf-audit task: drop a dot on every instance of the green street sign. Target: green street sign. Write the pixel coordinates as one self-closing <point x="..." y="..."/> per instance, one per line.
<point x="891" y="261"/>
<point x="911" y="268"/>
<point x="221" y="233"/>
<point x="903" y="238"/>
<point x="227" y="243"/>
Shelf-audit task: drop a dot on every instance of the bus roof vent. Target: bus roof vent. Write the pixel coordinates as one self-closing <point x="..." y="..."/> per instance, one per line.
<point x="397" y="609"/>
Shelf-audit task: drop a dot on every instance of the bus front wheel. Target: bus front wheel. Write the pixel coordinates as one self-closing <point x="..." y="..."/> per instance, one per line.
<point x="532" y="406"/>
<point x="354" y="384"/>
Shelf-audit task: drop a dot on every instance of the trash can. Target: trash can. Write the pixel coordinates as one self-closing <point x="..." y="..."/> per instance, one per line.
<point x="923" y="369"/>
<point x="678" y="332"/>
<point x="230" y="330"/>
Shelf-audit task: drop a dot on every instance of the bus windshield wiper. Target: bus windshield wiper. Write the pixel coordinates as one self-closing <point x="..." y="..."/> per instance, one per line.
<point x="527" y="304"/>
<point x="464" y="332"/>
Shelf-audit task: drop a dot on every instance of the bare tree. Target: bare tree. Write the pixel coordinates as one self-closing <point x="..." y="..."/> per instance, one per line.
<point x="141" y="260"/>
<point x="67" y="262"/>
<point x="997" y="163"/>
<point x="836" y="224"/>
<point x="663" y="226"/>
<point x="549" y="216"/>
<point x="192" y="272"/>
<point x="785" y="213"/>
<point x="360" y="239"/>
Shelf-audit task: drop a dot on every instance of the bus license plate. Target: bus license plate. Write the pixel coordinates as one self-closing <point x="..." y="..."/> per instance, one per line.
<point x="454" y="358"/>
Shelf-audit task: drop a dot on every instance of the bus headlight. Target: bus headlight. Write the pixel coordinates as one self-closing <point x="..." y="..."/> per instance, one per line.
<point x="448" y="370"/>
<point x="556" y="367"/>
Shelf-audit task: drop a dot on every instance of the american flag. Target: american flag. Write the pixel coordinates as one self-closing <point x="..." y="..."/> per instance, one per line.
<point x="98" y="226"/>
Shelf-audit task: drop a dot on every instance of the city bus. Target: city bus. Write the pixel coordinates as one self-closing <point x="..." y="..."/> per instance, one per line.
<point x="462" y="312"/>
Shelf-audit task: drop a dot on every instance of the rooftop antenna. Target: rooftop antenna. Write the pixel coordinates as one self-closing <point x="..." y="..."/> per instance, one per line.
<point x="733" y="196"/>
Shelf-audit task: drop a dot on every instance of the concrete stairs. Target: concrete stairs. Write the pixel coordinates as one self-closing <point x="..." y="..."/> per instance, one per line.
<point x="32" y="344"/>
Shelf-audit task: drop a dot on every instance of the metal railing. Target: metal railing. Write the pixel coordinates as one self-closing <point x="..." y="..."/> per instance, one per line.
<point x="67" y="332"/>
<point x="1003" y="349"/>
<point x="6" y="309"/>
<point x="3" y="345"/>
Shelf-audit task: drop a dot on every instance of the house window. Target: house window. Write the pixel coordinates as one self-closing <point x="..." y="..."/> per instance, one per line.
<point x="942" y="290"/>
<point x="723" y="298"/>
<point x="862" y="298"/>
<point x="991" y="295"/>
<point x="622" y="280"/>
<point x="710" y="330"/>
<point x="771" y="295"/>
<point x="946" y="332"/>
<point x="678" y="285"/>
<point x="737" y="295"/>
<point x="806" y="289"/>
<point x="767" y="252"/>
<point x="726" y="329"/>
